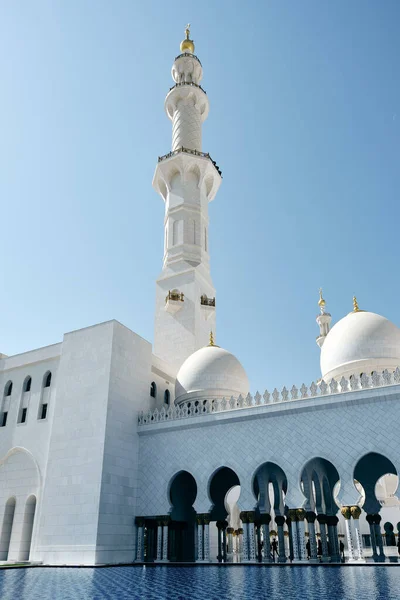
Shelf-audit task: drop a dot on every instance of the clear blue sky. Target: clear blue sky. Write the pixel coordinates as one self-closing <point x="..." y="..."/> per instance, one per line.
<point x="304" y="122"/>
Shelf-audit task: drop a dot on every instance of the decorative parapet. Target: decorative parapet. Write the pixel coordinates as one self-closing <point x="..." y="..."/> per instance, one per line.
<point x="198" y="408"/>
<point x="189" y="151"/>
<point x="191" y="83"/>
<point x="188" y="56"/>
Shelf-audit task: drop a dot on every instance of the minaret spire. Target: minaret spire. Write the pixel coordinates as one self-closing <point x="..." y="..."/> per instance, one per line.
<point x="323" y="320"/>
<point x="187" y="179"/>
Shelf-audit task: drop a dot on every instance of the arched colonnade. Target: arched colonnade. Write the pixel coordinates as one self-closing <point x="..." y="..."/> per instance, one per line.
<point x="271" y="531"/>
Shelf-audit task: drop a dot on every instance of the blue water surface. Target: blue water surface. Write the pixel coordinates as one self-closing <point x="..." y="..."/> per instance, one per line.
<point x="201" y="583"/>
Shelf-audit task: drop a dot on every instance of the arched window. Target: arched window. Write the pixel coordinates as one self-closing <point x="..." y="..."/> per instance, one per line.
<point x="166" y="397"/>
<point x="8" y="389"/>
<point x="153" y="390"/>
<point x="47" y="381"/>
<point x="27" y="385"/>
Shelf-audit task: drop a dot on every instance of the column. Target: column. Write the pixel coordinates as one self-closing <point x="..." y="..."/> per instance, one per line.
<point x="239" y="534"/>
<point x="220" y="525"/>
<point x="311" y="516"/>
<point x="378" y="537"/>
<point x="265" y="520"/>
<point x="224" y="541"/>
<point x="230" y="532"/>
<point x="252" y="537"/>
<point x="371" y="522"/>
<point x="280" y="520"/>
<point x="206" y="519"/>
<point x="289" y="526"/>
<point x="159" y="540"/>
<point x="293" y="518"/>
<point x="346" y="512"/>
<point x="200" y="551"/>
<point x="245" y="536"/>
<point x="324" y="539"/>
<point x="165" y="522"/>
<point x="332" y="522"/>
<point x="301" y="537"/>
<point x="355" y="513"/>
<point x="139" y="521"/>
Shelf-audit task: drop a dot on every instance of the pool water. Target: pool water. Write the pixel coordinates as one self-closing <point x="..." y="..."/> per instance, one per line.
<point x="201" y="583"/>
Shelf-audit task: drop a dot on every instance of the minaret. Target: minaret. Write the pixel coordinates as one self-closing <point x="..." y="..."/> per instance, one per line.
<point x="323" y="320"/>
<point x="187" y="179"/>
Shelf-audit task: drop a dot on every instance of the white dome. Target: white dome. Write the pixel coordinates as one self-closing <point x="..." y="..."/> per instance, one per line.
<point x="361" y="342"/>
<point x="211" y="372"/>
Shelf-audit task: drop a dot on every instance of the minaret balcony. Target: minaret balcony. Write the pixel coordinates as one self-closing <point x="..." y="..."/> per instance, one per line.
<point x="174" y="301"/>
<point x="190" y="83"/>
<point x="207" y="306"/>
<point x="193" y="153"/>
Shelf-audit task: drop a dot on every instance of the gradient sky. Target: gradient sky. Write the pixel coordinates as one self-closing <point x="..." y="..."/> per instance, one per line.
<point x="304" y="123"/>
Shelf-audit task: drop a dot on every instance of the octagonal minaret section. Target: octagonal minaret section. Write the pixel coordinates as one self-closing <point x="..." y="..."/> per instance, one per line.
<point x="187" y="179"/>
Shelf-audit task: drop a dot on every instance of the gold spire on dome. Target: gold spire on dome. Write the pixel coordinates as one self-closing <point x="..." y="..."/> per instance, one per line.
<point x="211" y="339"/>
<point x="321" y="301"/>
<point x="355" y="305"/>
<point x="187" y="45"/>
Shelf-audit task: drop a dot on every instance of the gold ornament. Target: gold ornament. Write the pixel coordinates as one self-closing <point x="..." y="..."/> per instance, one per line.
<point x="187" y="45"/>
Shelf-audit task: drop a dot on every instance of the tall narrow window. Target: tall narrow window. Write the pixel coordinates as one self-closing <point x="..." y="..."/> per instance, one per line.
<point x="6" y="403"/>
<point x="205" y="240"/>
<point x="24" y="401"/>
<point x="153" y="390"/>
<point x="45" y="397"/>
<point x="166" y="397"/>
<point x="6" y="529"/>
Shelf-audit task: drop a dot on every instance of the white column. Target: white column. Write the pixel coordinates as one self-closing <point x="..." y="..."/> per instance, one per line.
<point x="360" y="551"/>
<point x="230" y="540"/>
<point x="346" y="512"/>
<point x="207" y="541"/>
<point x="159" y="541"/>
<point x="311" y="537"/>
<point x="139" y="542"/>
<point x="301" y="538"/>
<point x="266" y="545"/>
<point x="200" y="541"/>
<point x="295" y="536"/>
<point x="252" y="542"/>
<point x="165" y="542"/>
<point x="245" y="543"/>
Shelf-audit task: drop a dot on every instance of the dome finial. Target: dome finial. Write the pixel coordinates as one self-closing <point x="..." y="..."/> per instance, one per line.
<point x="321" y="302"/>
<point x="211" y="339"/>
<point x="355" y="305"/>
<point x="187" y="45"/>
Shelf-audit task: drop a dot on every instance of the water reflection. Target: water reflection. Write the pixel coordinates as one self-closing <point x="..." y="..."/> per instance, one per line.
<point x="201" y="583"/>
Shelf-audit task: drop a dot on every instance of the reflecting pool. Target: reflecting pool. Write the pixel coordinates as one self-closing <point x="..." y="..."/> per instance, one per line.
<point x="201" y="583"/>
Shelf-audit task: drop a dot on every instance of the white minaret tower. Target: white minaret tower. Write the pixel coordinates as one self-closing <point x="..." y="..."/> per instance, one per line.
<point x="187" y="179"/>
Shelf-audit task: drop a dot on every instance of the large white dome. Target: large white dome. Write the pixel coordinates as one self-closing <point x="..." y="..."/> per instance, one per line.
<point x="362" y="342"/>
<point x="211" y="372"/>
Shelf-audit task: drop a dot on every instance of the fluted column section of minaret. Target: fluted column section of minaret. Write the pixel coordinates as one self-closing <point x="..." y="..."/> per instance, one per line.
<point x="186" y="125"/>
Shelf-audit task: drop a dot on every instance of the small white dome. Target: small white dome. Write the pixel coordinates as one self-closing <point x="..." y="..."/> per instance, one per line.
<point x="362" y="342"/>
<point x="211" y="372"/>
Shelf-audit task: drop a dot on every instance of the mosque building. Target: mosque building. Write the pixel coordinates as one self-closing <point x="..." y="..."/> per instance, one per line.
<point x="114" y="450"/>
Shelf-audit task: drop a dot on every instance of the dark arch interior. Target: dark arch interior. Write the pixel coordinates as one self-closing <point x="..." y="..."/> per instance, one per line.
<point x="266" y="474"/>
<point x="222" y="481"/>
<point x="183" y="492"/>
<point x="368" y="470"/>
<point x="324" y="475"/>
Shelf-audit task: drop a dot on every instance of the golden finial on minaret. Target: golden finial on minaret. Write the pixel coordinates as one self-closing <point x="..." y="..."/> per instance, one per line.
<point x="187" y="45"/>
<point x="355" y="305"/>
<point x="321" y="301"/>
<point x="211" y="339"/>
